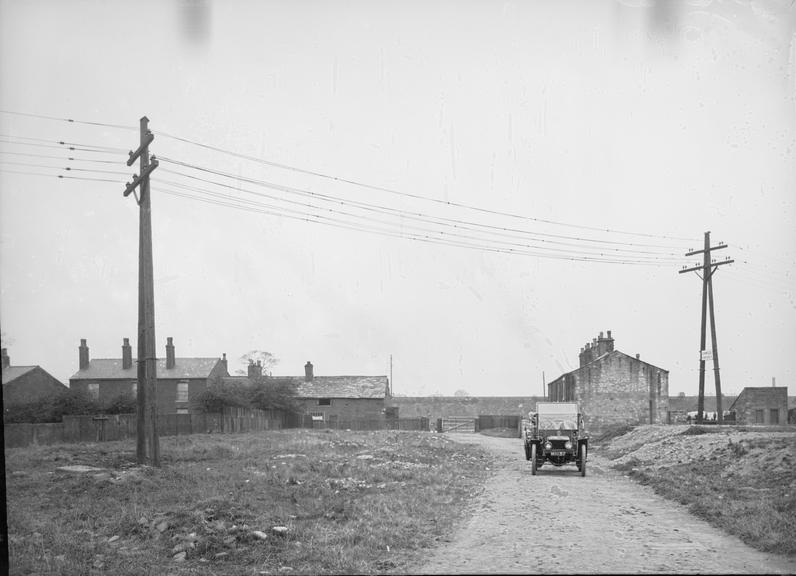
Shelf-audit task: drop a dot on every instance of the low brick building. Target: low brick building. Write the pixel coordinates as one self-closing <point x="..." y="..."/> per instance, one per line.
<point x="23" y="384"/>
<point x="613" y="387"/>
<point x="761" y="405"/>
<point x="338" y="399"/>
<point x="179" y="380"/>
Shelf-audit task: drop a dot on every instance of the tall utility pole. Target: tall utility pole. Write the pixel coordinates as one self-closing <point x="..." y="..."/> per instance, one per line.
<point x="147" y="431"/>
<point x="390" y="374"/>
<point x="708" y="268"/>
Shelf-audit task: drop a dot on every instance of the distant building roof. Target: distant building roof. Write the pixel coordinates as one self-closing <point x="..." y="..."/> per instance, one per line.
<point x="111" y="368"/>
<point x="611" y="353"/>
<point x="11" y="373"/>
<point x="342" y="387"/>
<point x="328" y="386"/>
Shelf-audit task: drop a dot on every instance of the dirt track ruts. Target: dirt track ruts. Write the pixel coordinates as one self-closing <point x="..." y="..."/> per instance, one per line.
<point x="560" y="522"/>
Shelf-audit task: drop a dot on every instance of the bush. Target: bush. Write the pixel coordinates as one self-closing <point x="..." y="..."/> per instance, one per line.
<point x="122" y="404"/>
<point x="53" y="408"/>
<point x="273" y="394"/>
<point x="218" y="396"/>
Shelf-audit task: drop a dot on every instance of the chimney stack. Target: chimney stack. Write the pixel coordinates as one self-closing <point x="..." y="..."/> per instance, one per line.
<point x="6" y="359"/>
<point x="170" y="363"/>
<point x="308" y="376"/>
<point x="83" y="354"/>
<point x="127" y="355"/>
<point x="255" y="370"/>
<point x="224" y="362"/>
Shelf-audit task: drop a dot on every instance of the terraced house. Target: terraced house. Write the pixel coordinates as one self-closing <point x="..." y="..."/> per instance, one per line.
<point x="613" y="387"/>
<point x="179" y="380"/>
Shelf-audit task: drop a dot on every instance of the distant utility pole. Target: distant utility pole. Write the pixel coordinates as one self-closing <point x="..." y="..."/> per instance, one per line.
<point x="147" y="431"/>
<point x="708" y="267"/>
<point x="390" y="374"/>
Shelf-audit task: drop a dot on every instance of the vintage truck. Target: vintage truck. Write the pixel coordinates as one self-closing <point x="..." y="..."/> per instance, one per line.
<point x="555" y="434"/>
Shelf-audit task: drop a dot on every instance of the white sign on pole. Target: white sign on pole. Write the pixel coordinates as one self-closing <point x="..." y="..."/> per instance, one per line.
<point x="707" y="355"/>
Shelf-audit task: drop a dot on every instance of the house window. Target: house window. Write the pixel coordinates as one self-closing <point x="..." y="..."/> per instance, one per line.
<point x="659" y="384"/>
<point x="774" y="416"/>
<point x="317" y="416"/>
<point x="182" y="391"/>
<point x="324" y="401"/>
<point x="134" y="388"/>
<point x="182" y="410"/>
<point x="93" y="390"/>
<point x="759" y="416"/>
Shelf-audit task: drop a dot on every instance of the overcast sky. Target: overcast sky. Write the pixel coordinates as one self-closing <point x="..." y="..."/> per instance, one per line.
<point x="626" y="128"/>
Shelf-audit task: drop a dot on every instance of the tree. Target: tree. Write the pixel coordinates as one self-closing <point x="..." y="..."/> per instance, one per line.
<point x="266" y="359"/>
<point x="460" y="393"/>
<point x="219" y="396"/>
<point x="274" y="394"/>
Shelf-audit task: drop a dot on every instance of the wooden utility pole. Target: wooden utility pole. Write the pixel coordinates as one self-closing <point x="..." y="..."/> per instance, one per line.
<point x="708" y="267"/>
<point x="147" y="432"/>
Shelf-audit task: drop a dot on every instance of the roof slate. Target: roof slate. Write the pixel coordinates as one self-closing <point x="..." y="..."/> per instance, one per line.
<point x="329" y="386"/>
<point x="342" y="387"/>
<point x="111" y="369"/>
<point x="13" y="372"/>
<point x="611" y="353"/>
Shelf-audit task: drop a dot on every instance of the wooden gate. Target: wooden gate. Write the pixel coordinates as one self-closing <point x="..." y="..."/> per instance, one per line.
<point x="458" y="424"/>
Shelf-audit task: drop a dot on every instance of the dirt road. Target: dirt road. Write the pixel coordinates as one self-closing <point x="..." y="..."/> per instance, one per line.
<point x="560" y="522"/>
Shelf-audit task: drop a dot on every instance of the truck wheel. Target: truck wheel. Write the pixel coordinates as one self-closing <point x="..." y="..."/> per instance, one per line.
<point x="533" y="460"/>
<point x="582" y="459"/>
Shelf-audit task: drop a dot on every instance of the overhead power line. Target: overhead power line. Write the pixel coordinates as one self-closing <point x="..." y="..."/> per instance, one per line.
<point x="69" y="120"/>
<point x="320" y="219"/>
<point x="62" y="176"/>
<point x="350" y="181"/>
<point x="452" y="222"/>
<point x="410" y="195"/>
<point x="401" y="224"/>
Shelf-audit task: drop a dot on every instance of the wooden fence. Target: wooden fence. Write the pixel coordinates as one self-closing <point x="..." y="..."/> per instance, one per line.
<point x="106" y="428"/>
<point x="336" y="423"/>
<point x="487" y="422"/>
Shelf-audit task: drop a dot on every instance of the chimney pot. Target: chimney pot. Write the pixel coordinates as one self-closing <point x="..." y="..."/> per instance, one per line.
<point x="6" y="359"/>
<point x="638" y="356"/>
<point x="601" y="335"/>
<point x="609" y="334"/>
<point x="308" y="374"/>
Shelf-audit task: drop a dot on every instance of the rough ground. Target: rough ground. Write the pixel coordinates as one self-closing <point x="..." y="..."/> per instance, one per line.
<point x="560" y="522"/>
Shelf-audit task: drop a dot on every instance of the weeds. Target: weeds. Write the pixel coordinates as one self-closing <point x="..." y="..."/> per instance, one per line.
<point x="312" y="501"/>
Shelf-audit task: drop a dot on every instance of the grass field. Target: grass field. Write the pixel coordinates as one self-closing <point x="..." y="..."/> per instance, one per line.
<point x="281" y="502"/>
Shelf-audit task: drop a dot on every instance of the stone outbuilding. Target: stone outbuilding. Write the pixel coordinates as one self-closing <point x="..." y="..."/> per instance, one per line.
<point x="613" y="388"/>
<point x="23" y="384"/>
<point x="761" y="405"/>
<point x="335" y="400"/>
<point x="179" y="380"/>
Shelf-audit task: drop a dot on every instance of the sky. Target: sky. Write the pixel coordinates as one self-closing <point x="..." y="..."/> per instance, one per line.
<point x="474" y="189"/>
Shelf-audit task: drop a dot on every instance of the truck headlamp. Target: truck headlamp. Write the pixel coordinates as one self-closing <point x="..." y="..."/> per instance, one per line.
<point x="568" y="445"/>
<point x="548" y="446"/>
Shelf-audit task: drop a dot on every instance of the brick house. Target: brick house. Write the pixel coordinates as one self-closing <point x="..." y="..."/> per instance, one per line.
<point x="335" y="400"/>
<point x="179" y="380"/>
<point x="613" y="387"/>
<point x="22" y="384"/>
<point x="761" y="405"/>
